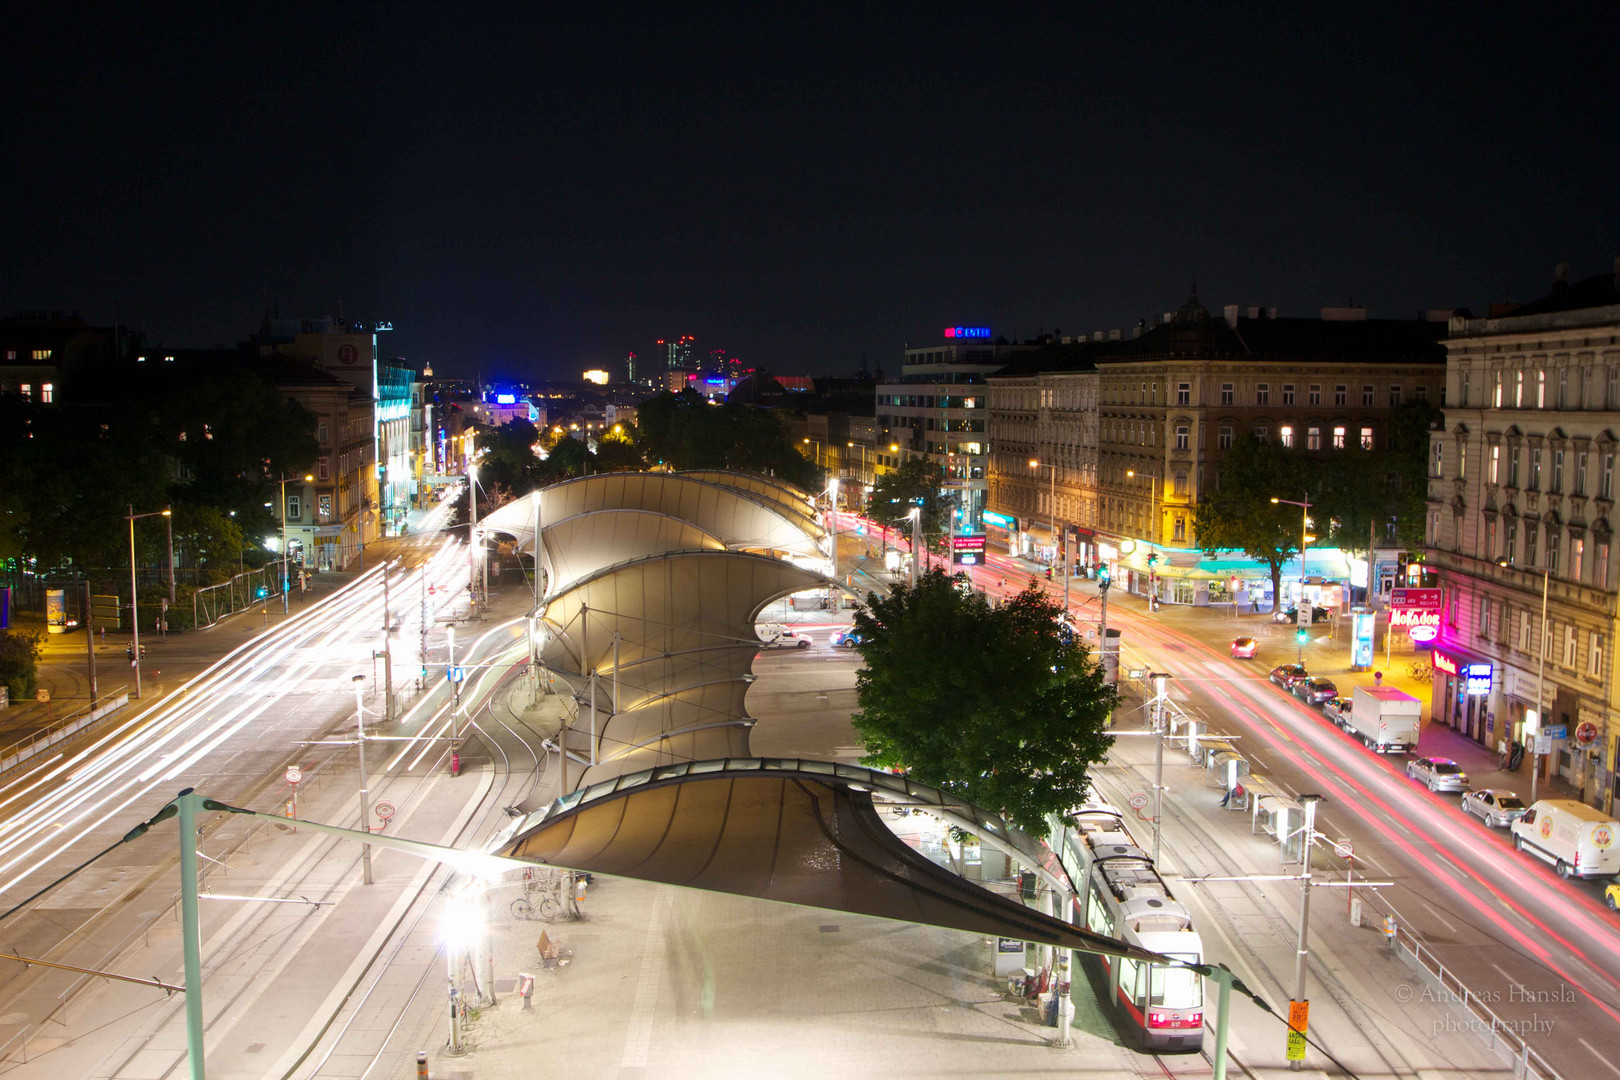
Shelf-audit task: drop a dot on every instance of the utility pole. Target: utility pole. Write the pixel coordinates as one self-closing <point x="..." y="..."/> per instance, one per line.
<point x="360" y="745"/>
<point x="916" y="533"/>
<point x="1299" y="1006"/>
<point x="1160" y="682"/>
<point x="388" y="649"/>
<point x="168" y="524"/>
<point x="90" y="643"/>
<point x="455" y="703"/>
<point x="472" y="532"/>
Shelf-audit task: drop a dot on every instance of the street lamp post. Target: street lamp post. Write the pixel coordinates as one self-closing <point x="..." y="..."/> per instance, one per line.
<point x="1153" y="534"/>
<point x="134" y="596"/>
<point x="916" y="539"/>
<point x="1303" y="616"/>
<point x="360" y="745"/>
<point x="1541" y="677"/>
<point x="1035" y="464"/>
<point x="1302" y="952"/>
<point x="286" y="583"/>
<point x="832" y="487"/>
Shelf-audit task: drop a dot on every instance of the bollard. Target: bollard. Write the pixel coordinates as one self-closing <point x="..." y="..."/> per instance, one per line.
<point x="526" y="989"/>
<point x="1355" y="911"/>
<point x="421" y="1065"/>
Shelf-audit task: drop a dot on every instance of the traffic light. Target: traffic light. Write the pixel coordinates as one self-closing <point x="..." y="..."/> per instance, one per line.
<point x="1102" y="573"/>
<point x="1302" y="635"/>
<point x="1153" y="560"/>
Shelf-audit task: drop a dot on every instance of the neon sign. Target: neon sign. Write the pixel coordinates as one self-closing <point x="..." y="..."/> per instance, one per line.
<point x="1479" y="678"/>
<point x="1424" y="633"/>
<point x="1414" y="618"/>
<point x="1444" y="663"/>
<point x="968" y="332"/>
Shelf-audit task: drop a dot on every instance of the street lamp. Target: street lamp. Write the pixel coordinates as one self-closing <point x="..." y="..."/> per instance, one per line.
<point x="286" y="585"/>
<point x="1035" y="464"/>
<point x="1541" y="674"/>
<point x="1153" y="535"/>
<point x="134" y="596"/>
<point x="916" y="533"/>
<point x="1304" y="611"/>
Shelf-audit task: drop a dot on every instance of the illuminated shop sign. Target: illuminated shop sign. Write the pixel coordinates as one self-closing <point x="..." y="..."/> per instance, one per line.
<point x="1414" y="619"/>
<point x="1479" y="678"/>
<point x="1001" y="519"/>
<point x="968" y="332"/>
<point x="1444" y="663"/>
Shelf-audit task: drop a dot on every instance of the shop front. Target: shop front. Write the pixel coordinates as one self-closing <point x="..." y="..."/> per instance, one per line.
<point x="1465" y="693"/>
<point x="1001" y="531"/>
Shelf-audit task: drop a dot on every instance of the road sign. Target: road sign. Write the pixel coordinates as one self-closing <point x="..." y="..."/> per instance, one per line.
<point x="1415" y="598"/>
<point x="456" y="674"/>
<point x="107" y="611"/>
<point x="1556" y="731"/>
<point x="385" y="810"/>
<point x="1138" y="800"/>
<point x="1344" y="849"/>
<point x="42" y="695"/>
<point x="1298" y="1015"/>
<point x="1586" y="733"/>
<point x="1137" y="673"/>
<point x="1544" y="746"/>
<point x="294" y="774"/>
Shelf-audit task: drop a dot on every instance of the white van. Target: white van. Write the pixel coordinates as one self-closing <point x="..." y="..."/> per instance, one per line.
<point x="1578" y="840"/>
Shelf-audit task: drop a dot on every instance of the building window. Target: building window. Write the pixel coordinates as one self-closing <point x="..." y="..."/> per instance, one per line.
<point x="1262" y="394"/>
<point x="1494" y="470"/>
<point x="1181" y="436"/>
<point x="1225" y="440"/>
<point x="1484" y="617"/>
<point x="1184" y="393"/>
<point x="42" y="354"/>
<point x="1563" y="388"/>
<point x="1541" y="388"/>
<point x="1313" y="438"/>
<point x="1524" y="630"/>
<point x="1262" y="432"/>
<point x="1288" y="393"/>
<point x="1512" y="551"/>
<point x="1535" y="469"/>
<point x="47" y="393"/>
<point x="1367" y="394"/>
<point x="1600" y="568"/>
<point x="1421" y="393"/>
<point x="1580" y="473"/>
<point x="293" y="507"/>
<point x="1316" y="393"/>
<point x="1569" y="645"/>
<point x="1594" y="655"/>
<point x="1433" y="539"/>
<point x="1338" y="437"/>
<point x="1437" y="459"/>
<point x="1366" y="438"/>
<point x="1530" y="545"/>
<point x="1490" y="538"/>
<point x="1341" y="395"/>
<point x="1557" y="479"/>
<point x="1227" y="393"/>
<point x="326" y="506"/>
<point x="1553" y="549"/>
<point x="1395" y="395"/>
<point x="324" y="469"/>
<point x="1577" y="557"/>
<point x="1181" y="530"/>
<point x="1612" y="397"/>
<point x="320" y="433"/>
<point x="1513" y="467"/>
<point x="1286" y="435"/>
<point x="1606" y="490"/>
<point x="1496" y="390"/>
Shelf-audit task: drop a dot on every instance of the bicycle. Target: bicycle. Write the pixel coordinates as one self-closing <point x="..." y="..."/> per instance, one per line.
<point x="552" y="888"/>
<point x="1422" y="671"/>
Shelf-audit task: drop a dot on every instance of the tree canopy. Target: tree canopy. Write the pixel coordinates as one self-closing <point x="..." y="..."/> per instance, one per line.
<point x="917" y="482"/>
<point x="1239" y="513"/>
<point x="999" y="706"/>
<point x="685" y="431"/>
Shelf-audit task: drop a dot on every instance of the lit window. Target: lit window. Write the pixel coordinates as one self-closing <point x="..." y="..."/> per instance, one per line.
<point x="42" y="354"/>
<point x="47" y="393"/>
<point x="1496" y="390"/>
<point x="1338" y="438"/>
<point x="1286" y="435"/>
<point x="1541" y="388"/>
<point x="1495" y="466"/>
<point x="1594" y="655"/>
<point x="1313" y="438"/>
<point x="27" y="391"/>
<point x="1366" y="438"/>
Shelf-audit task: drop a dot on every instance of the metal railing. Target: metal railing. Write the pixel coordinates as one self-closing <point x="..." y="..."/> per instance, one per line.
<point x="238" y="594"/>
<point x="26" y="747"/>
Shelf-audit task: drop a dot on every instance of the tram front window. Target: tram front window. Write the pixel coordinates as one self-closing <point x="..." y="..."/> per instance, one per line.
<point x="1175" y="988"/>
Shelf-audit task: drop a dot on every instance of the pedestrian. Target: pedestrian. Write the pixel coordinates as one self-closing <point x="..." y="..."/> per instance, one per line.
<point x="1254" y="603"/>
<point x="1235" y="790"/>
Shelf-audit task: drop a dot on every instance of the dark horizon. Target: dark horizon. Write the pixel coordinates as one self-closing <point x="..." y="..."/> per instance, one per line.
<point x="535" y="197"/>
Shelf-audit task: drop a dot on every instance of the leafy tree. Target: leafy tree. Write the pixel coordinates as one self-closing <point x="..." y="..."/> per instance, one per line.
<point x="1239" y="513"/>
<point x="915" y="483"/>
<point x="996" y="705"/>
<point x="1409" y="427"/>
<point x="19" y="662"/>
<point x="507" y="457"/>
<point x="685" y="431"/>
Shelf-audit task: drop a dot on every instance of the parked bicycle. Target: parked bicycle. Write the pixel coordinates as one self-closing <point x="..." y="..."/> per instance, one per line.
<point x="546" y="895"/>
<point x="1422" y="671"/>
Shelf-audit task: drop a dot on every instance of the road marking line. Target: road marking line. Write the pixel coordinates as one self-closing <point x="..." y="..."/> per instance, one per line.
<point x="639" y="1036"/>
<point x="1597" y="1055"/>
<point x="1447" y="921"/>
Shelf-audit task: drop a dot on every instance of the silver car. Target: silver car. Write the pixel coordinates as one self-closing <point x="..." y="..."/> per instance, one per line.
<point x="1439" y="773"/>
<point x="1493" y="806"/>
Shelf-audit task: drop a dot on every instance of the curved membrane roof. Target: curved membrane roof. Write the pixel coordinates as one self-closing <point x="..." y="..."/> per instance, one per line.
<point x="785" y="495"/>
<point x="577" y="547"/>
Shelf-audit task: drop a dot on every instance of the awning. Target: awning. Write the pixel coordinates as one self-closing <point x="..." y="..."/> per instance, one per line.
<point x="798" y="832"/>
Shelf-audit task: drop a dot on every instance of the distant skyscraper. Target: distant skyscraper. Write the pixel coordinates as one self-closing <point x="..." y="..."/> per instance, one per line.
<point x="680" y="351"/>
<point x="630" y="368"/>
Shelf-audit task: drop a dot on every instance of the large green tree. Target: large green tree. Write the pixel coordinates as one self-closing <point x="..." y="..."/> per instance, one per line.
<point x="999" y="706"/>
<point x="917" y="482"/>
<point x="1239" y="513"/>
<point x="686" y="431"/>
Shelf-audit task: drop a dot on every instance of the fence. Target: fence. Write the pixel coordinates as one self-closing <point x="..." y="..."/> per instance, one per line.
<point x="54" y="732"/>
<point x="213" y="602"/>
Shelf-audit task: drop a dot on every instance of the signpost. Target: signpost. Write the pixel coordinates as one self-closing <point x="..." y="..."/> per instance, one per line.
<point x="1299" y="1013"/>
<point x="968" y="550"/>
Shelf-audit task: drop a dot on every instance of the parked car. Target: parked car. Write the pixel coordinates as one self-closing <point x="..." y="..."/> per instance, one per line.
<point x="1286" y="675"/>
<point x="1291" y="615"/>
<point x="1315" y="690"/>
<point x="1611" y="895"/>
<point x="1244" y="648"/>
<point x="1338" y="710"/>
<point x="846" y="639"/>
<point x="787" y="639"/>
<point x="1439" y="773"/>
<point x="1493" y="806"/>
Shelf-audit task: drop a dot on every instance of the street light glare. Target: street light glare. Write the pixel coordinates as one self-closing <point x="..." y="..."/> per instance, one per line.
<point x="1273" y="501"/>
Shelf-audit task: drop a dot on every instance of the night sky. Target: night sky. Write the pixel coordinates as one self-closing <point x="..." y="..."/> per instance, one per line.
<point x="533" y="189"/>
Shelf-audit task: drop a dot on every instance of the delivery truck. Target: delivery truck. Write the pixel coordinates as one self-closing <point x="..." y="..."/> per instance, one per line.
<point x="1384" y="718"/>
<point x="1576" y="839"/>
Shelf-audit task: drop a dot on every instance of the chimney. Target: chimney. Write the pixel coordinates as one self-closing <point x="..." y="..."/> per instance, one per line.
<point x="1115" y="335"/>
<point x="1253" y="313"/>
<point x="1271" y="313"/>
<point x="1231" y="311"/>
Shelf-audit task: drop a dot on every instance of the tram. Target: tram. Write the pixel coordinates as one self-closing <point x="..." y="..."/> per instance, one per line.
<point x="1119" y="894"/>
